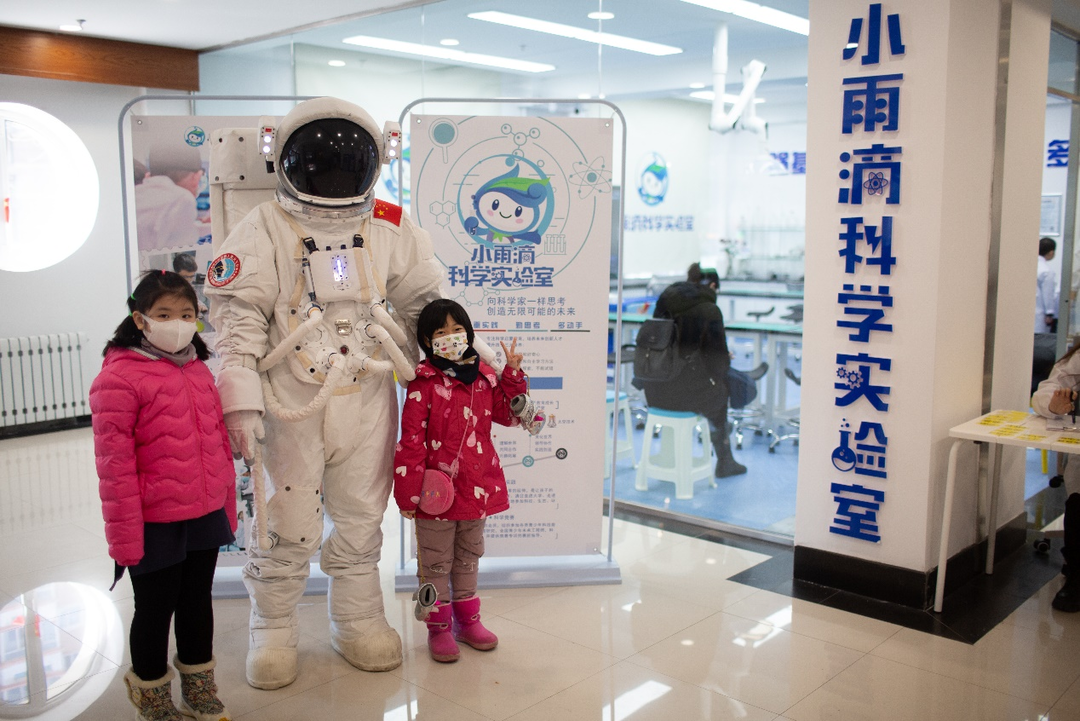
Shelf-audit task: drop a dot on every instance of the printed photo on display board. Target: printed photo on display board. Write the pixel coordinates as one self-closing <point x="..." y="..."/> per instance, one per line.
<point x="519" y="210"/>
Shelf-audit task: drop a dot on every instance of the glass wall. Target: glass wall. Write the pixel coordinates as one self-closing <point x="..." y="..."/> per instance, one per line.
<point x="720" y="183"/>
<point x="1058" y="277"/>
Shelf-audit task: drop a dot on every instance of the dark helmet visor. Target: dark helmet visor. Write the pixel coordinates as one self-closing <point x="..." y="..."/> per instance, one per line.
<point x="330" y="158"/>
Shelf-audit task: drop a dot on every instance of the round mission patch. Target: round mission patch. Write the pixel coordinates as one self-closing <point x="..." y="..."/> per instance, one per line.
<point x="224" y="270"/>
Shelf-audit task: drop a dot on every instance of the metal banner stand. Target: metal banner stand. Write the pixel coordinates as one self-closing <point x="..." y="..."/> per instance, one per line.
<point x="537" y="571"/>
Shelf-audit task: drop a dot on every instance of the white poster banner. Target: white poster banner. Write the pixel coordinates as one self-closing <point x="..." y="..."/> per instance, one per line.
<point x="519" y="210"/>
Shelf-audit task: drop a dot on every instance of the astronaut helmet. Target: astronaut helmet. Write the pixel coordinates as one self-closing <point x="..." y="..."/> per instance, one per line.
<point x="329" y="153"/>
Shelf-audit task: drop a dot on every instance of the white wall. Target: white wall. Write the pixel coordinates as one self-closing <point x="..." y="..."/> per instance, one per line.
<point x="720" y="180"/>
<point x="85" y="292"/>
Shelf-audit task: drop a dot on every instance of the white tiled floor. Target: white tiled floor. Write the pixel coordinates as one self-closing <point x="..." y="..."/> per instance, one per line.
<point x="676" y="640"/>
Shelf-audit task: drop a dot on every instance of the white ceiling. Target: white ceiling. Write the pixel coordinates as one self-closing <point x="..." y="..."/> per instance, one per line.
<point x="223" y="24"/>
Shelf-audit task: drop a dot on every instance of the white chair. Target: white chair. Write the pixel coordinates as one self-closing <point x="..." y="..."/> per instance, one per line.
<point x="625" y="448"/>
<point x="676" y="463"/>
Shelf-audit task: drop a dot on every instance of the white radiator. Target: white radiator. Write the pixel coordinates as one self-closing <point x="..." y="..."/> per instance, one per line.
<point x="41" y="379"/>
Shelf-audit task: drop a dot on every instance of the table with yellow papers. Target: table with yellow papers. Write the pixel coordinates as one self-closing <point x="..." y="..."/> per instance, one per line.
<point x="999" y="428"/>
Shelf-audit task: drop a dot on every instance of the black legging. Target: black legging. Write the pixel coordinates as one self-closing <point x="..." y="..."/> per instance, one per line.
<point x="1071" y="549"/>
<point x="183" y="590"/>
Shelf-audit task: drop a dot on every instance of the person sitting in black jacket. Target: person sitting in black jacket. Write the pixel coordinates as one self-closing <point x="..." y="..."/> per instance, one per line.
<point x="703" y="390"/>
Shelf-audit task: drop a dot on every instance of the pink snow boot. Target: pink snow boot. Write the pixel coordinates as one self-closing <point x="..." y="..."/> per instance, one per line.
<point x="467" y="626"/>
<point x="440" y="641"/>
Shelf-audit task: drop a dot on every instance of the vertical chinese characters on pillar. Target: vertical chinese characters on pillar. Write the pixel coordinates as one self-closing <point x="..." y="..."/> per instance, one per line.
<point x="870" y="176"/>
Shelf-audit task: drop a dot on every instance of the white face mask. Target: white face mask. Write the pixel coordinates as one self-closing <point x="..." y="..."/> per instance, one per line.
<point x="171" y="336"/>
<point x="451" y="347"/>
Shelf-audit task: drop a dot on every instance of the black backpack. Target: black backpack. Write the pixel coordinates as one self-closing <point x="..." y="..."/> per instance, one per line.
<point x="657" y="358"/>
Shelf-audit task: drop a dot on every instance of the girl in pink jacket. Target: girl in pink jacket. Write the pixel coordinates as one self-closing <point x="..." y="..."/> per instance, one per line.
<point x="446" y="433"/>
<point x="168" y="492"/>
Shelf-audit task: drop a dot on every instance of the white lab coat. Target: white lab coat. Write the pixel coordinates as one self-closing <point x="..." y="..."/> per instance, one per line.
<point x="165" y="215"/>
<point x="1046" y="297"/>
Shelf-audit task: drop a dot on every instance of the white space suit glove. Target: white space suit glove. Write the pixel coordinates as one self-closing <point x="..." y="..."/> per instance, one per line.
<point x="240" y="388"/>
<point x="488" y="355"/>
<point x="245" y="430"/>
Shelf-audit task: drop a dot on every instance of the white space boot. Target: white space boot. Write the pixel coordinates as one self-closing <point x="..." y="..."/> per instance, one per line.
<point x="368" y="644"/>
<point x="152" y="699"/>
<point x="271" y="657"/>
<point x="198" y="692"/>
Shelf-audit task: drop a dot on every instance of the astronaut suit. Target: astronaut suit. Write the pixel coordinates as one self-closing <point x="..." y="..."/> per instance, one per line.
<point x="323" y="246"/>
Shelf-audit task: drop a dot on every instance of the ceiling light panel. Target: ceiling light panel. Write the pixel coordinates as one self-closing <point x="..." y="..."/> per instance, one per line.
<point x="757" y="13"/>
<point x="457" y="57"/>
<point x="569" y="31"/>
<point x="728" y="98"/>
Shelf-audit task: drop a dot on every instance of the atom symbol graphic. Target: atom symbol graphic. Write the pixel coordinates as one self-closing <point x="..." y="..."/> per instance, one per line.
<point x="590" y="177"/>
<point x="876" y="184"/>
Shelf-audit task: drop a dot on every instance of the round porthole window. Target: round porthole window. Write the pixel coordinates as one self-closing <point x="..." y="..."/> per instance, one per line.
<point x="48" y="186"/>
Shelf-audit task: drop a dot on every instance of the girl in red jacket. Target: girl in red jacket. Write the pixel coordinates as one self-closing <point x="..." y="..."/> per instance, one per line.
<point x="168" y="492"/>
<point x="446" y="433"/>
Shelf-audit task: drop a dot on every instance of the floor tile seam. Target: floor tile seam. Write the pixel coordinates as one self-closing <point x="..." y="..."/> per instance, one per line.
<point x="48" y="527"/>
<point x="571" y="686"/>
<point x="806" y="635"/>
<point x="897" y="630"/>
<point x="610" y="661"/>
<point x="437" y="695"/>
<point x="118" y="668"/>
<point x="754" y="620"/>
<point x="957" y="678"/>
<point x="667" y="546"/>
<point x="659" y="587"/>
<point x="671" y="635"/>
<point x="100" y="533"/>
<point x="536" y="599"/>
<point x="66" y="632"/>
<point x="1061" y="696"/>
<point x="256" y="712"/>
<point x="560" y="638"/>
<point x="830" y="679"/>
<point x="707" y="689"/>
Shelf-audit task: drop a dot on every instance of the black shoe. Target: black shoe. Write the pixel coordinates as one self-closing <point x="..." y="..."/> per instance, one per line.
<point x="1068" y="598"/>
<point x="730" y="468"/>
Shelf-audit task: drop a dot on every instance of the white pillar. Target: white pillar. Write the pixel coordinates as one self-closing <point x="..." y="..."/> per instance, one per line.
<point x="941" y="242"/>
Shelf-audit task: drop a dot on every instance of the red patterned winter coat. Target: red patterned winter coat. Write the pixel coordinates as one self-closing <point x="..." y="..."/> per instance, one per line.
<point x="443" y="414"/>
<point x="162" y="449"/>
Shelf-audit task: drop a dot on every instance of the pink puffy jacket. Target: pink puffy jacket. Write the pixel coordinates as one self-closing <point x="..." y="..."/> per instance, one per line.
<point x="162" y="449"/>
<point x="434" y="425"/>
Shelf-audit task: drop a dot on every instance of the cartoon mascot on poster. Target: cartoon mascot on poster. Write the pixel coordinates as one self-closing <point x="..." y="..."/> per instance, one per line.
<point x="511" y="210"/>
<point x="316" y="295"/>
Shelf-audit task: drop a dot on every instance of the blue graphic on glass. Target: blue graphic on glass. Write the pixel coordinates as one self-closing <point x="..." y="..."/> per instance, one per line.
<point x="653" y="180"/>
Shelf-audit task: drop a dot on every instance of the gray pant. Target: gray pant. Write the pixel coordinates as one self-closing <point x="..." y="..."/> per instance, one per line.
<point x="448" y="555"/>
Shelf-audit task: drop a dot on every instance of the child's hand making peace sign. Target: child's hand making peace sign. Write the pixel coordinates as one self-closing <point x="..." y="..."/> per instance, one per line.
<point x="513" y="358"/>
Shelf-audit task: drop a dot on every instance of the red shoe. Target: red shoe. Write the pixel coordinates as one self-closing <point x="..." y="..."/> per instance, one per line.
<point x="440" y="640"/>
<point x="467" y="626"/>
